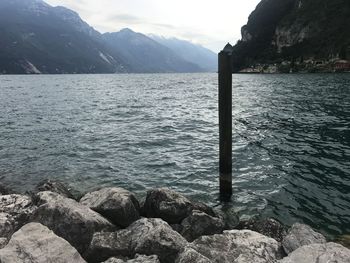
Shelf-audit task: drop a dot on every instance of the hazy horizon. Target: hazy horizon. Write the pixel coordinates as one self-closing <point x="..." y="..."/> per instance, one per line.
<point x="210" y="24"/>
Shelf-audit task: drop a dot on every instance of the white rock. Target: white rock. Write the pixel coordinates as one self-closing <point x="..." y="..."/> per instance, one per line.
<point x="68" y="219"/>
<point x="319" y="253"/>
<point x="35" y="243"/>
<point x="243" y="246"/>
<point x="300" y="235"/>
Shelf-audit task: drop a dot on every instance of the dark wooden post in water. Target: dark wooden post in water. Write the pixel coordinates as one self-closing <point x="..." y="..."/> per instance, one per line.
<point x="225" y="122"/>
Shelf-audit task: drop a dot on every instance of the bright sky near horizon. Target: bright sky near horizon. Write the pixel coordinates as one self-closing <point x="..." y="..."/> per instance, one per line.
<point x="209" y="23"/>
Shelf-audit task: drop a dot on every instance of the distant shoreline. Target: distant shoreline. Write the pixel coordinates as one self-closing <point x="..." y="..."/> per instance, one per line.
<point x="178" y="73"/>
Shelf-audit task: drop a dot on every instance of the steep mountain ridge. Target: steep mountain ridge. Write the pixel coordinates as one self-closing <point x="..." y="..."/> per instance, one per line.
<point x="146" y="55"/>
<point x="39" y="38"/>
<point x="295" y="35"/>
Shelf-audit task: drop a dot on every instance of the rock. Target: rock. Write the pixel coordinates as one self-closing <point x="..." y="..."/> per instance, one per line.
<point x="68" y="219"/>
<point x="300" y="235"/>
<point x="8" y="225"/>
<point x="268" y="227"/>
<point x="109" y="244"/>
<point x="198" y="224"/>
<point x="228" y="215"/>
<point x="35" y="243"/>
<point x="137" y="259"/>
<point x="54" y="186"/>
<point x="15" y="204"/>
<point x="168" y="205"/>
<point x="145" y="236"/>
<point x="15" y="212"/>
<point x="156" y="237"/>
<point x="319" y="253"/>
<point x="204" y="208"/>
<point x="3" y="242"/>
<point x="117" y="204"/>
<point x="189" y="255"/>
<point x="239" y="246"/>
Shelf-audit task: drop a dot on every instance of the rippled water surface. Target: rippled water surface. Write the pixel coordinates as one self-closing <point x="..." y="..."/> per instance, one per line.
<point x="291" y="139"/>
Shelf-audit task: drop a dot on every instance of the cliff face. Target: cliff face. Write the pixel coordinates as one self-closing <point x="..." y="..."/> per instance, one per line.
<point x="295" y="35"/>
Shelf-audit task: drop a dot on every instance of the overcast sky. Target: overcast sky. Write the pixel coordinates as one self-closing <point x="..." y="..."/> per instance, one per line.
<point x="209" y="23"/>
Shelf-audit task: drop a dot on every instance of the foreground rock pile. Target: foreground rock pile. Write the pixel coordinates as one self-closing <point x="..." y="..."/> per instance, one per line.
<point x="110" y="225"/>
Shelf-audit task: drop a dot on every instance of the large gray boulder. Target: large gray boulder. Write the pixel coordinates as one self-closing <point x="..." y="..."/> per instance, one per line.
<point x="68" y="219"/>
<point x="199" y="224"/>
<point x="35" y="243"/>
<point x="168" y="205"/>
<point x="54" y="186"/>
<point x="238" y="246"/>
<point x="117" y="204"/>
<point x="300" y="235"/>
<point x="137" y="259"/>
<point x="15" y="211"/>
<point x="145" y="236"/>
<point x="319" y="253"/>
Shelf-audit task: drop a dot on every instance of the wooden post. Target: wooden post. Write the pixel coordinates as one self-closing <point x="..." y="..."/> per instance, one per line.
<point x="225" y="122"/>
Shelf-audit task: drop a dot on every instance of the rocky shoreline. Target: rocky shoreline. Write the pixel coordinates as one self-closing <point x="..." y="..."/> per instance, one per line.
<point x="111" y="225"/>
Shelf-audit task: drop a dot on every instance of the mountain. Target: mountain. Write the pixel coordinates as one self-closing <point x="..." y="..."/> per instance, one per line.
<point x="36" y="37"/>
<point x="193" y="53"/>
<point x="143" y="54"/>
<point x="39" y="38"/>
<point x="295" y="36"/>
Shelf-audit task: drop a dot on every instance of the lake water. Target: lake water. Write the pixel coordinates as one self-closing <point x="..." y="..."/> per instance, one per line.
<point x="291" y="139"/>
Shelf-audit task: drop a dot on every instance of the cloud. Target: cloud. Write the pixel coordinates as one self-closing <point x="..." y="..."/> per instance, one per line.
<point x="126" y="18"/>
<point x="130" y="20"/>
<point x="209" y="23"/>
